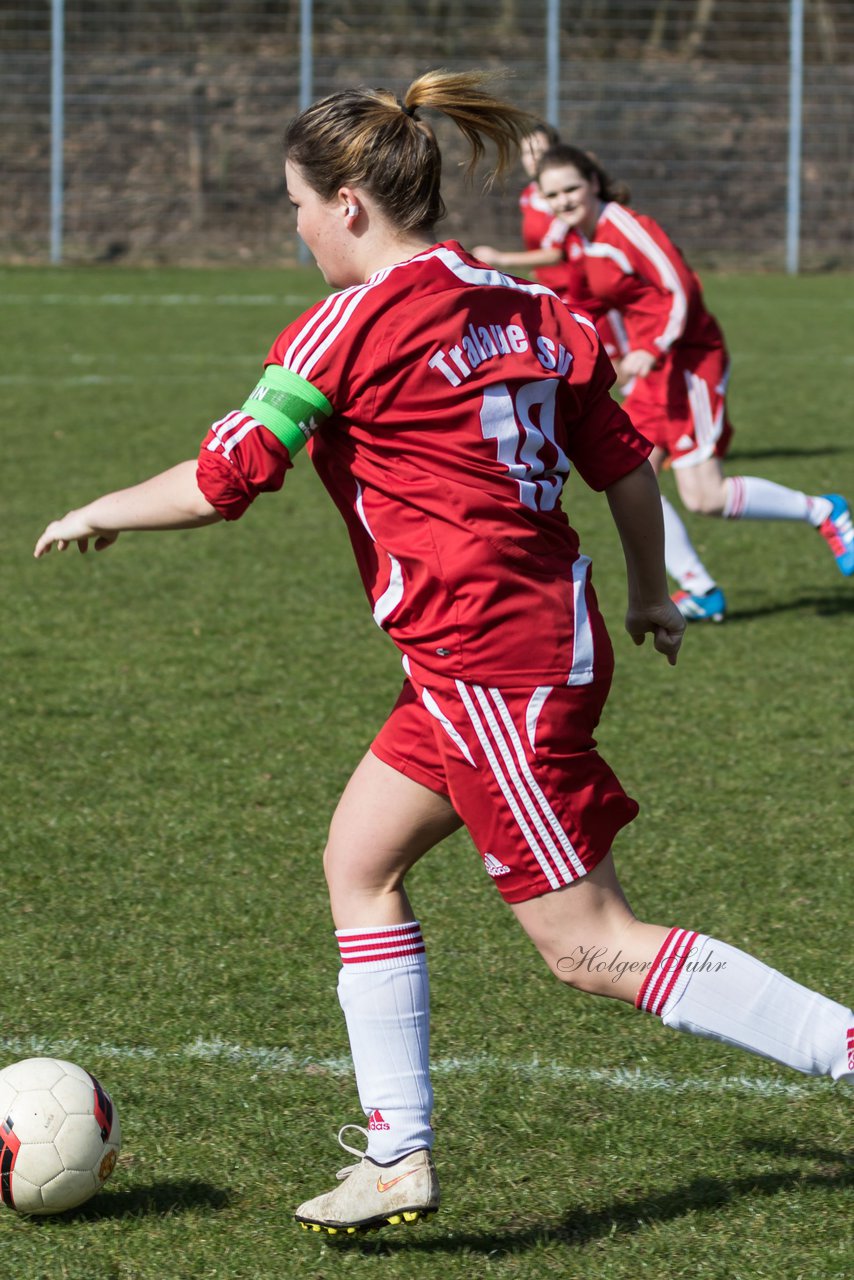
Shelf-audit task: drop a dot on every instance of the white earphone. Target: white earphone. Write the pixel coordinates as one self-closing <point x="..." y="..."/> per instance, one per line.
<point x="352" y="210"/>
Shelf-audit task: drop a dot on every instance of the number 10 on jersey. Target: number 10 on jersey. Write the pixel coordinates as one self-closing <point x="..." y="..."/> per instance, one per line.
<point x="527" y="448"/>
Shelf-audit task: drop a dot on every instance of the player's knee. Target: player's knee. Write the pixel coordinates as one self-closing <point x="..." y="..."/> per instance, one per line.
<point x="582" y="969"/>
<point x="349" y="870"/>
<point x="608" y="966"/>
<point x="342" y="874"/>
<point x="703" y="502"/>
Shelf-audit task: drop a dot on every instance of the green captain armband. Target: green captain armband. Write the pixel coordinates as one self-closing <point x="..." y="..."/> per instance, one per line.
<point x="288" y="406"/>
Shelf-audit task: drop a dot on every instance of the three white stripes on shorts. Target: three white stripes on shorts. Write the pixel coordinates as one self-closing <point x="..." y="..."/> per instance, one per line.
<point x="505" y="753"/>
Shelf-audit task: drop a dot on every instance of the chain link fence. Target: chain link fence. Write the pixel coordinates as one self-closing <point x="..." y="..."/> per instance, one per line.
<point x="174" y="112"/>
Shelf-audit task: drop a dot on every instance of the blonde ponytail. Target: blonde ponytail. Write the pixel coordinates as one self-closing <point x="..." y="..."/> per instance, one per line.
<point x="372" y="139"/>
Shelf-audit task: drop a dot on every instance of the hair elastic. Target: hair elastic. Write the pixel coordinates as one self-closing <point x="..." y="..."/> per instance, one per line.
<point x="408" y="111"/>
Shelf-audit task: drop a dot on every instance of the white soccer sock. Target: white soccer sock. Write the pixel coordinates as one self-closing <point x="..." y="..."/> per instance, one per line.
<point x="384" y="992"/>
<point x="680" y="555"/>
<point x="749" y="498"/>
<point x="711" y="989"/>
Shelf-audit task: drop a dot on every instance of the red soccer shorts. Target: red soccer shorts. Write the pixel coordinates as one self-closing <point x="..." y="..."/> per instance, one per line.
<point x="681" y="406"/>
<point x="521" y="770"/>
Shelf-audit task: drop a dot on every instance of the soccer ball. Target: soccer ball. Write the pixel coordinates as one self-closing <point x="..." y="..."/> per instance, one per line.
<point x="59" y="1135"/>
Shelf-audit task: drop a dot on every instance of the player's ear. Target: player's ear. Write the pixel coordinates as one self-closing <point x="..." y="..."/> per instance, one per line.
<point x="348" y="203"/>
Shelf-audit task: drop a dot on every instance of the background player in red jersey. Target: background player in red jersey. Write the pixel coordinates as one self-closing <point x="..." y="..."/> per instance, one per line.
<point x="444" y="403"/>
<point x="680" y="366"/>
<point x="552" y="252"/>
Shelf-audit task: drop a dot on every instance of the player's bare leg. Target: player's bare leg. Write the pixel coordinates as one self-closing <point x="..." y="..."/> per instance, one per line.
<point x="383" y="824"/>
<point x="586" y="927"/>
<point x="705" y="490"/>
<point x="590" y="939"/>
<point x="702" y="487"/>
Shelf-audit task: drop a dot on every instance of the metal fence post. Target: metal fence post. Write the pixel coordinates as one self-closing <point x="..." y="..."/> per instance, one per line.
<point x="553" y="63"/>
<point x="306" y="83"/>
<point x="57" y="126"/>
<point x="796" y="96"/>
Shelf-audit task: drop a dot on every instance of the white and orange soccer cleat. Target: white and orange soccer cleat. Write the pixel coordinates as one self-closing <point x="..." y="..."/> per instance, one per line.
<point x="374" y="1195"/>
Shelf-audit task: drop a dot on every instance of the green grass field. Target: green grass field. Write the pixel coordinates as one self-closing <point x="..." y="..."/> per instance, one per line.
<point x="180" y="715"/>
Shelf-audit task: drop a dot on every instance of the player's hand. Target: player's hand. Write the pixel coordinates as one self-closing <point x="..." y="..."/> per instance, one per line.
<point x="73" y="527"/>
<point x="636" y="364"/>
<point x="487" y="254"/>
<point x="663" y="621"/>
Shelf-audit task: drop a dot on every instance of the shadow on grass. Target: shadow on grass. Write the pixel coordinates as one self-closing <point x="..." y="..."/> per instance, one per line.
<point x="782" y="451"/>
<point x="627" y="1217"/>
<point x="828" y="605"/>
<point x="797" y="1150"/>
<point x="157" y="1200"/>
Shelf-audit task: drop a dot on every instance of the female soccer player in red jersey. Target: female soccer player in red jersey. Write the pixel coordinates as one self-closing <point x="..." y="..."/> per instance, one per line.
<point x="552" y="251"/>
<point x="443" y="404"/>
<point x="679" y="365"/>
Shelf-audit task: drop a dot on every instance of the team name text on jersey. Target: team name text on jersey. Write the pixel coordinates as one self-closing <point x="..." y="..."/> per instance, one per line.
<point x="486" y="342"/>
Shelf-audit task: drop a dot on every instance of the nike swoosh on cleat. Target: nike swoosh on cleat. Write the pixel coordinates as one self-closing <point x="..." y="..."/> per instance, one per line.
<point x="392" y="1182"/>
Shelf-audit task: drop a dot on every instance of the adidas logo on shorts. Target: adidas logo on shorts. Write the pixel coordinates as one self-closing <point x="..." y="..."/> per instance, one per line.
<point x="494" y="866"/>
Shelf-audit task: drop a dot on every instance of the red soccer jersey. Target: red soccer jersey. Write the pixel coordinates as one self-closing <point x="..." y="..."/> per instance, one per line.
<point x="457" y="397"/>
<point x="633" y="266"/>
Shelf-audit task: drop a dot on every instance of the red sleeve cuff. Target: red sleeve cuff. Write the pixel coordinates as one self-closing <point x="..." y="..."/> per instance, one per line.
<point x="222" y="487"/>
<point x="232" y="483"/>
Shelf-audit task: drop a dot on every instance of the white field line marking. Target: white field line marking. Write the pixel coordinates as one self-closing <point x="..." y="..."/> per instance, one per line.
<point x="159" y="299"/>
<point x="152" y="369"/>
<point x="203" y="360"/>
<point x="285" y="1062"/>
<point x="102" y="379"/>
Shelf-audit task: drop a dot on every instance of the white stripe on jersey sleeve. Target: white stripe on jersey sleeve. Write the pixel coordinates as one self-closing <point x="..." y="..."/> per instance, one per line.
<point x="330" y="320"/>
<point x="584" y="320"/>
<point x="629" y="226"/>
<point x="611" y="251"/>
<point x="230" y="430"/>
<point x="234" y="439"/>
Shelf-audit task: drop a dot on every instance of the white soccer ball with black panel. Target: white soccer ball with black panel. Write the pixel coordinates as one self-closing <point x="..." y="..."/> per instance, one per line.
<point x="59" y="1136"/>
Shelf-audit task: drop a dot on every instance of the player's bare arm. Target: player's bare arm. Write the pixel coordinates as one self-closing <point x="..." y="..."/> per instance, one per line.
<point x="635" y="503"/>
<point x="169" y="500"/>
<point x="636" y="364"/>
<point x="522" y="258"/>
